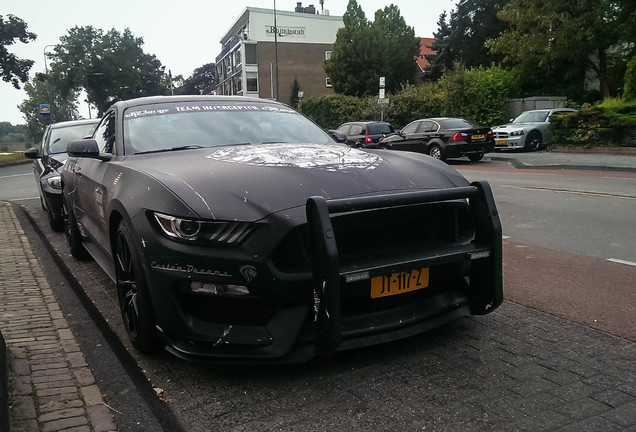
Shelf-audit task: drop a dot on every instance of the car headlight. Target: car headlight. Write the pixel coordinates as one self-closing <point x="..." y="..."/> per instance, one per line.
<point x="517" y="133"/>
<point x="219" y="232"/>
<point x="55" y="182"/>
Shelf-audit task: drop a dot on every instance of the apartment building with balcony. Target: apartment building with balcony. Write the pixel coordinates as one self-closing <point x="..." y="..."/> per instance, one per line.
<point x="251" y="50"/>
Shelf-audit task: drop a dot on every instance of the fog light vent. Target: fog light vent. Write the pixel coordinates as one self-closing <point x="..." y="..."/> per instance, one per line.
<point x="219" y="289"/>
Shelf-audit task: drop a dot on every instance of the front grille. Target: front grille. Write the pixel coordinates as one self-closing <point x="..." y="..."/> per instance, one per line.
<point x="501" y="135"/>
<point x="380" y="233"/>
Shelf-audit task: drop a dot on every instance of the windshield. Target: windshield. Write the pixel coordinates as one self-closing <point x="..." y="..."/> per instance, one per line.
<point x="190" y="124"/>
<point x="457" y="123"/>
<point x="61" y="136"/>
<point x="532" y="117"/>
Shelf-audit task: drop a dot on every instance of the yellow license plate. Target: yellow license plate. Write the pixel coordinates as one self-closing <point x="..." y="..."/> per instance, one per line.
<point x="399" y="282"/>
<point x="476" y="137"/>
<point x="501" y="141"/>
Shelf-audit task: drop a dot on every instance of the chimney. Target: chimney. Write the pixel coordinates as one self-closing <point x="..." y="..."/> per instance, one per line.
<point x="310" y="10"/>
<point x="299" y="7"/>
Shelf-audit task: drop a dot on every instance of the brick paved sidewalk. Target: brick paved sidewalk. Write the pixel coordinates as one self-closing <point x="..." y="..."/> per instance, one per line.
<point x="51" y="386"/>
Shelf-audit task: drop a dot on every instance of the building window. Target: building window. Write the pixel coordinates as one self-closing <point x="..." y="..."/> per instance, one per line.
<point x="327" y="55"/>
<point x="252" y="81"/>
<point x="250" y="54"/>
<point x="327" y="82"/>
<point x="237" y="57"/>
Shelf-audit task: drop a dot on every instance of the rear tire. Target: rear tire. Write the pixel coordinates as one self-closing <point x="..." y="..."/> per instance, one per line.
<point x="475" y="157"/>
<point x="435" y="152"/>
<point x="132" y="291"/>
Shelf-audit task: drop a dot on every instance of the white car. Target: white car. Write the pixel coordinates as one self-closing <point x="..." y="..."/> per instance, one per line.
<point x="529" y="131"/>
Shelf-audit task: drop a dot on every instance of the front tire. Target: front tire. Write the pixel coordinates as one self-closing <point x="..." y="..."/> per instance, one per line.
<point x="534" y="141"/>
<point x="73" y="236"/>
<point x="134" y="298"/>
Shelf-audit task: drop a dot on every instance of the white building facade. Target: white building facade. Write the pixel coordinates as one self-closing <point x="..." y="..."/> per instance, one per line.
<point x="247" y="64"/>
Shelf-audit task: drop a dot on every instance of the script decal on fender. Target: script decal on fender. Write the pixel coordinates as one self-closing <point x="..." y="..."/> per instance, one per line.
<point x="188" y="269"/>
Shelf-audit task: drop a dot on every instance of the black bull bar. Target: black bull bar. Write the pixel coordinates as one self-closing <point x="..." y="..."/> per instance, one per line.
<point x="486" y="277"/>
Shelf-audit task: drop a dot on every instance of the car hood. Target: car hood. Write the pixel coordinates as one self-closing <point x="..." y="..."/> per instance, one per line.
<point x="56" y="161"/>
<point x="515" y="126"/>
<point x="252" y="181"/>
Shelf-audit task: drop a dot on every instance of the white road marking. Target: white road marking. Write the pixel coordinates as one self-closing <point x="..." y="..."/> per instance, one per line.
<point x="24" y="199"/>
<point x="16" y="175"/>
<point x="620" y="261"/>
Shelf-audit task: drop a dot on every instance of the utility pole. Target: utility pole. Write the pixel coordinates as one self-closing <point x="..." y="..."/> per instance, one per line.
<point x="276" y="48"/>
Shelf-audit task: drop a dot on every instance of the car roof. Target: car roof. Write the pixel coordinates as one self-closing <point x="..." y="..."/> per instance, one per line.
<point x="191" y="98"/>
<point x="73" y="123"/>
<point x="366" y="122"/>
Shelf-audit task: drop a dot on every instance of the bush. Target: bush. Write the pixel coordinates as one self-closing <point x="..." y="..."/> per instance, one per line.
<point x="604" y="124"/>
<point x="331" y="111"/>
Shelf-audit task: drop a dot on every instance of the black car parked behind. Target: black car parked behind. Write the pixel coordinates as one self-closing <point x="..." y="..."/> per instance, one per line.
<point x="442" y="138"/>
<point x="48" y="164"/>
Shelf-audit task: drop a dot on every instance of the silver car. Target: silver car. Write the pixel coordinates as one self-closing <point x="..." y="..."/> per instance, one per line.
<point x="529" y="131"/>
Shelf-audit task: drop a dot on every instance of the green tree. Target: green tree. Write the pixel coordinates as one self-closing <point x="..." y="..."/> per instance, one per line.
<point x="294" y="100"/>
<point x="462" y="39"/>
<point x="202" y="81"/>
<point x="43" y="91"/>
<point x="13" y="69"/>
<point x="599" y="34"/>
<point x="109" y="66"/>
<point x="629" y="93"/>
<point x="364" y="51"/>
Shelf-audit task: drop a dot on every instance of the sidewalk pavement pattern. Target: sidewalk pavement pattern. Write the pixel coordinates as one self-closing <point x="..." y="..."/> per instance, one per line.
<point x="52" y="388"/>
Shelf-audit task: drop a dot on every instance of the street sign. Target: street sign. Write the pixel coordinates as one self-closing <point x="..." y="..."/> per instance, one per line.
<point x="384" y="101"/>
<point x="382" y="81"/>
<point x="382" y="95"/>
<point x="45" y="110"/>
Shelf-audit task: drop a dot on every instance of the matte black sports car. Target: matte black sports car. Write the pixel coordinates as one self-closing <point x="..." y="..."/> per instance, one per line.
<point x="48" y="163"/>
<point x="236" y="230"/>
<point x="443" y="138"/>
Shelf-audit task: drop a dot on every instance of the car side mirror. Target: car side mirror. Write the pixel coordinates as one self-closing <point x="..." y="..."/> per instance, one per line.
<point x="338" y="137"/>
<point x="32" y="153"/>
<point x="86" y="148"/>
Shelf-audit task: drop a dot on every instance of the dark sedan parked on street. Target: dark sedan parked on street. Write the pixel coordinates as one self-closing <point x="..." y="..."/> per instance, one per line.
<point x="443" y="138"/>
<point x="365" y="134"/>
<point x="48" y="163"/>
<point x="237" y="231"/>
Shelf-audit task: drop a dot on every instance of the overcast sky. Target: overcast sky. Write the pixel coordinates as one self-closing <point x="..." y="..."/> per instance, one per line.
<point x="183" y="35"/>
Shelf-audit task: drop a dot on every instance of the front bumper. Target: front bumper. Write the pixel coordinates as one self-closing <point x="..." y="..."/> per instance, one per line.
<point x="293" y="315"/>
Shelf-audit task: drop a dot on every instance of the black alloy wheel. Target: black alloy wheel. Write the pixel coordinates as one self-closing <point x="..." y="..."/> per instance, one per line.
<point x="132" y="290"/>
<point x="534" y="141"/>
<point x="475" y="157"/>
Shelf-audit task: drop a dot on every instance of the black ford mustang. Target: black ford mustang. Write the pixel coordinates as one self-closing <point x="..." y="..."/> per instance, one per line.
<point x="237" y="230"/>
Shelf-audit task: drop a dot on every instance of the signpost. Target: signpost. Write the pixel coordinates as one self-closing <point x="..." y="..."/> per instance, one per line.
<point x="45" y="110"/>
<point x="382" y="99"/>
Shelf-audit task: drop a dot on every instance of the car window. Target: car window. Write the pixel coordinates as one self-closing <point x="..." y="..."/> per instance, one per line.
<point x="411" y="127"/>
<point x="196" y="124"/>
<point x="428" y="126"/>
<point x="379" y="128"/>
<point x="532" y="116"/>
<point x="355" y="130"/>
<point x="105" y="133"/>
<point x="56" y="139"/>
<point x="344" y="129"/>
<point x="457" y="123"/>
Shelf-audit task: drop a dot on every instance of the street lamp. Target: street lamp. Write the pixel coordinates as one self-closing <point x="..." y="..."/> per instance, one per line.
<point x="276" y="48"/>
<point x="46" y="69"/>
